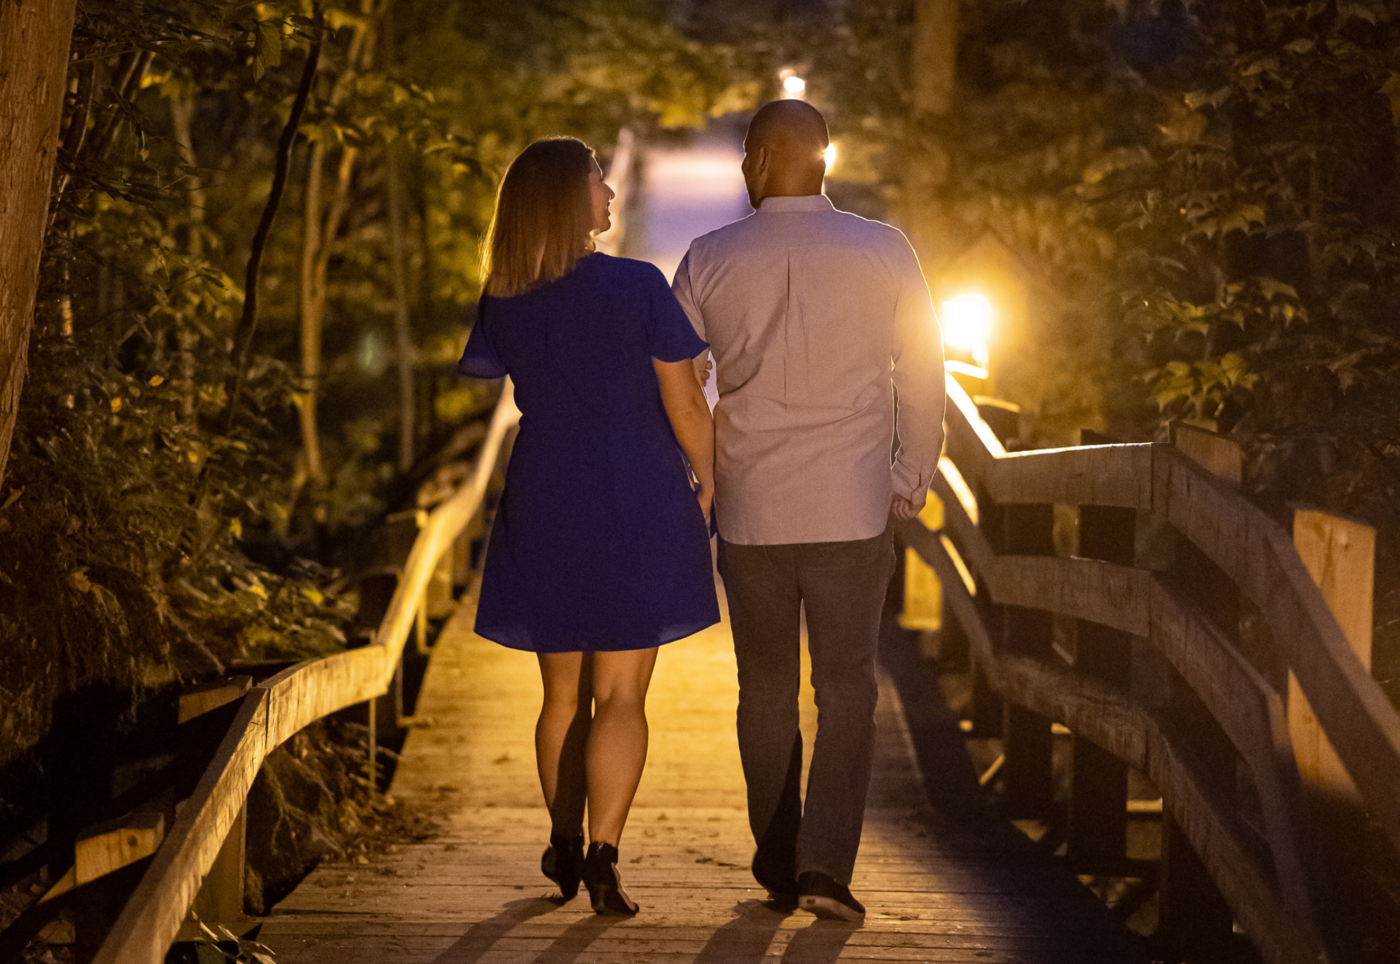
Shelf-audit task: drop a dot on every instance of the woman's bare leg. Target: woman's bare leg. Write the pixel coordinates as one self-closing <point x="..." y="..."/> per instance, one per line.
<point x="617" y="742"/>
<point x="562" y="737"/>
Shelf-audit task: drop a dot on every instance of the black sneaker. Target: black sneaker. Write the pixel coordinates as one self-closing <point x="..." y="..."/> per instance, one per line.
<point x="779" y="878"/>
<point x="828" y="898"/>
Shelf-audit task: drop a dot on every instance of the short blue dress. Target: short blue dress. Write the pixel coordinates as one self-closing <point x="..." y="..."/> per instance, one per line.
<point x="598" y="543"/>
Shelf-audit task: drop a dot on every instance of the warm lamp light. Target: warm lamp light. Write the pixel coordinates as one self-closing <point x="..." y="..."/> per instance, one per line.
<point x="794" y="87"/>
<point x="967" y="324"/>
<point x="829" y="155"/>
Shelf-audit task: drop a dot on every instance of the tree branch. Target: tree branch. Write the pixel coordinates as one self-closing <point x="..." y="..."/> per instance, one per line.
<point x="248" y="322"/>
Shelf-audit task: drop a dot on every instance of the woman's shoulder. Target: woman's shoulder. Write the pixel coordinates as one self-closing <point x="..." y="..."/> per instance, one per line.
<point x="623" y="269"/>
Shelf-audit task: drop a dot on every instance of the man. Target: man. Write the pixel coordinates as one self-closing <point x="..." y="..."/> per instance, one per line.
<point x="811" y="313"/>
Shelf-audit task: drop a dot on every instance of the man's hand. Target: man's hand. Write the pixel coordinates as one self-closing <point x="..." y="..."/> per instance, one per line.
<point x="702" y="371"/>
<point x="902" y="508"/>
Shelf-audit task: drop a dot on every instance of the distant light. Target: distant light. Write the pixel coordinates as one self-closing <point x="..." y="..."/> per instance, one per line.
<point x="967" y="324"/>
<point x="794" y="85"/>
<point x="829" y="155"/>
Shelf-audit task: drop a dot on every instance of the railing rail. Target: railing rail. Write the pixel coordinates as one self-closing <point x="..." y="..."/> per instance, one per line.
<point x="1261" y="858"/>
<point x="276" y="709"/>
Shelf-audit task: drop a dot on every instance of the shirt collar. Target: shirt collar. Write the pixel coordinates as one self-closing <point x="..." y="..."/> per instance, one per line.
<point x="795" y="205"/>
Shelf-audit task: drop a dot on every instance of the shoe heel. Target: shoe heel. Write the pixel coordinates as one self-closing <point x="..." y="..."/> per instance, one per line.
<point x="562" y="862"/>
<point x="604" y="883"/>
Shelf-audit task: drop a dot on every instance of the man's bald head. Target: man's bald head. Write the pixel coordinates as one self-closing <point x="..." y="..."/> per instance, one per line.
<point x="783" y="151"/>
<point x="789" y="126"/>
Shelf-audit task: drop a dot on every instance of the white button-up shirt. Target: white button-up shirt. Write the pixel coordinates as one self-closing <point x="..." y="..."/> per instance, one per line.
<point x="812" y="314"/>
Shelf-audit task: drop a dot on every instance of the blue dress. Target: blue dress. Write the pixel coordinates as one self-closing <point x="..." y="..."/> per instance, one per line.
<point x="599" y="542"/>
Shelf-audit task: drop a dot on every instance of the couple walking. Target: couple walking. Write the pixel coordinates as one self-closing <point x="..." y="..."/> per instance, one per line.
<point x="600" y="552"/>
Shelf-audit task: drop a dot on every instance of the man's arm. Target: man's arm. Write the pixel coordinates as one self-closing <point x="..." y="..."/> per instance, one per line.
<point x="919" y="382"/>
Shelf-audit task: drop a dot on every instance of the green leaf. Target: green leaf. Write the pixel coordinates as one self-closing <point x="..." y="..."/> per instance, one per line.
<point x="1300" y="46"/>
<point x="1355" y="11"/>
<point x="267" y="47"/>
<point x="1200" y="98"/>
<point x="1391" y="89"/>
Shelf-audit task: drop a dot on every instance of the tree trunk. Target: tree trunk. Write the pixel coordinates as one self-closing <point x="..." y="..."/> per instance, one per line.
<point x="403" y="332"/>
<point x="935" y="56"/>
<point x="319" y="232"/>
<point x="35" y="36"/>
<point x="933" y="71"/>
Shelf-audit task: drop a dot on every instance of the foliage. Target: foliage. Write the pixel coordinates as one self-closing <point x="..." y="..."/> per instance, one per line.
<point x="1200" y="201"/>
<point x="143" y="544"/>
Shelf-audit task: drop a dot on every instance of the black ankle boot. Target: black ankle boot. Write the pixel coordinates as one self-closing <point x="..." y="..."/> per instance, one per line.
<point x="604" y="883"/>
<point x="563" y="862"/>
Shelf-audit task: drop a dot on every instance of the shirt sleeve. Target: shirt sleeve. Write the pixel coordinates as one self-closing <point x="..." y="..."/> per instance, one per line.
<point x="685" y="295"/>
<point x="672" y="338"/>
<point x="480" y="359"/>
<point x="918" y="380"/>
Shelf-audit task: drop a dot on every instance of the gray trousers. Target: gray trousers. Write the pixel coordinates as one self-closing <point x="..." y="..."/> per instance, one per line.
<point x="842" y="586"/>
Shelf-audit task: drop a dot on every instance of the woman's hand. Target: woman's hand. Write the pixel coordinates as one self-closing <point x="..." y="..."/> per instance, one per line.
<point x="706" y="495"/>
<point x="690" y="417"/>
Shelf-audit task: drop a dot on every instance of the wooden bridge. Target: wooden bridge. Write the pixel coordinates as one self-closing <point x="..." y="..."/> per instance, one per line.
<point x="1124" y="597"/>
<point x="937" y="890"/>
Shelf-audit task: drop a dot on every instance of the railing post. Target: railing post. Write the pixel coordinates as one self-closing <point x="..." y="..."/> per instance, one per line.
<point x="1028" y="775"/>
<point x="1340" y="557"/>
<point x="220" y="897"/>
<point x="1194" y="920"/>
<point x="1098" y="816"/>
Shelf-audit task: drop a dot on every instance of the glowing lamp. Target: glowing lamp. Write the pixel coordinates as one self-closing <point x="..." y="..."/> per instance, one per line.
<point x="967" y="323"/>
<point x="794" y="85"/>
<point x="829" y="155"/>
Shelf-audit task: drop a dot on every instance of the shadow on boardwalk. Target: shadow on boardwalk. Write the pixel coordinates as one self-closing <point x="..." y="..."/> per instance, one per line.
<point x="948" y="883"/>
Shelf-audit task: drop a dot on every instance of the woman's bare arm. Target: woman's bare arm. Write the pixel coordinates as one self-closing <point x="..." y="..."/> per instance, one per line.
<point x="690" y="417"/>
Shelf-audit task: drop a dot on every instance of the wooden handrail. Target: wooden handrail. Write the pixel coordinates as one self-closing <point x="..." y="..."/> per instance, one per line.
<point x="1266" y="874"/>
<point x="1242" y="541"/>
<point x="276" y="709"/>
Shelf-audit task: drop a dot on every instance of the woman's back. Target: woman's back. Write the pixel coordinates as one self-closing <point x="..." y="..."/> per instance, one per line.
<point x="599" y="543"/>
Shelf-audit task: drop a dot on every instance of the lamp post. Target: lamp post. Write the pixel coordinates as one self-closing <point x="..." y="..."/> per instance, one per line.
<point x="967" y="327"/>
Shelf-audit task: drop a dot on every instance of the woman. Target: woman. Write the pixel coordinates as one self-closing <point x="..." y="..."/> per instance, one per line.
<point x="599" y="551"/>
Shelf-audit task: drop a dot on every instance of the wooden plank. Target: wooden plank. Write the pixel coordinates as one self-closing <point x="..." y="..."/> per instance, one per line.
<point x="1218" y="454"/>
<point x="1098" y="816"/>
<point x="934" y="891"/>
<point x="1339" y="555"/>
<point x="923" y="607"/>
<point x="274" y="711"/>
<point x="970" y="441"/>
<point x="198" y="700"/>
<point x="316" y="688"/>
<point x="1252" y="716"/>
<point x="101" y="849"/>
<point x="1239" y="862"/>
<point x="1088" y="589"/>
<point x="1102" y="592"/>
<point x="152" y="916"/>
<point x="1239" y="538"/>
<point x="1106" y="475"/>
<point x="1027" y="774"/>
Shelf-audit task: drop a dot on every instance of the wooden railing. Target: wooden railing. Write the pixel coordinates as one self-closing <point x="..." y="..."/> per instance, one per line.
<point x="273" y="711"/>
<point x="1156" y="672"/>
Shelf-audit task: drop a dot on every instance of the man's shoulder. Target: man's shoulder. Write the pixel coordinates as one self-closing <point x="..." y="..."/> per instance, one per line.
<point x="868" y="229"/>
<point x="731" y="233"/>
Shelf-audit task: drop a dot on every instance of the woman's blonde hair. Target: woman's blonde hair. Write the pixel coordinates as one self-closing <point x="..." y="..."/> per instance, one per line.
<point x="543" y="221"/>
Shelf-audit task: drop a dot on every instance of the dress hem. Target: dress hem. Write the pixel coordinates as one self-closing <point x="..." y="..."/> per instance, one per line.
<point x="680" y="632"/>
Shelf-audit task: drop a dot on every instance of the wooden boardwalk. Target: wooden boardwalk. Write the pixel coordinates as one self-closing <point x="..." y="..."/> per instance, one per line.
<point x="935" y="889"/>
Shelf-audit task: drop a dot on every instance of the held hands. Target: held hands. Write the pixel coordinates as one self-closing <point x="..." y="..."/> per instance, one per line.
<point x="703" y="370"/>
<point x="902" y="508"/>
